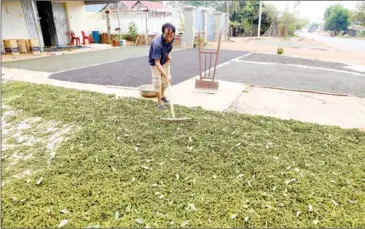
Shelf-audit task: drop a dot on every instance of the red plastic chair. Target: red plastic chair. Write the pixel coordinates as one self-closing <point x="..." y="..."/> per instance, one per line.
<point x="74" y="38"/>
<point x="84" y="38"/>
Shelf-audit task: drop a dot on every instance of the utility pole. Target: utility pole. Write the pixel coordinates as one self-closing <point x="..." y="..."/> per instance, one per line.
<point x="120" y="37"/>
<point x="107" y="14"/>
<point x="146" y="26"/>
<point x="259" y="28"/>
<point x="227" y="23"/>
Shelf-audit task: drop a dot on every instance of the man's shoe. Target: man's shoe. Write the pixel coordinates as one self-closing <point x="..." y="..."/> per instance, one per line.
<point x="161" y="107"/>
<point x="165" y="100"/>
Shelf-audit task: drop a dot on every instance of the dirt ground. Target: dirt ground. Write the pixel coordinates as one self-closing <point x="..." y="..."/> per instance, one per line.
<point x="314" y="49"/>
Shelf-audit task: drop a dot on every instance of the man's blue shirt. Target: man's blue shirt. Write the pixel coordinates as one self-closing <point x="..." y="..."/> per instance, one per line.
<point x="159" y="50"/>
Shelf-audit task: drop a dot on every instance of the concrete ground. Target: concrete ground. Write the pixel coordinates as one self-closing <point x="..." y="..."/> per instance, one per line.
<point x="28" y="56"/>
<point x="293" y="77"/>
<point x="344" y="111"/>
<point x="262" y="69"/>
<point x="182" y="94"/>
<point x="274" y="58"/>
<point x="67" y="62"/>
<point x="303" y="47"/>
<point x="341" y="43"/>
<point x="134" y="72"/>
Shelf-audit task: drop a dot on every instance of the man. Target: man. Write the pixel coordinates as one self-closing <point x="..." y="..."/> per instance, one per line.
<point x="160" y="60"/>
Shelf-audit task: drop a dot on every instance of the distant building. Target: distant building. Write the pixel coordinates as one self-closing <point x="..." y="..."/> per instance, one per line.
<point x="354" y="30"/>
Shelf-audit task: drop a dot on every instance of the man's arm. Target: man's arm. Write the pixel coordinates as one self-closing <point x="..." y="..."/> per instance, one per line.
<point x="160" y="68"/>
<point x="156" y="56"/>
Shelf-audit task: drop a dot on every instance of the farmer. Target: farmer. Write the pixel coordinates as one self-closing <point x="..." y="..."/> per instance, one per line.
<point x="160" y="60"/>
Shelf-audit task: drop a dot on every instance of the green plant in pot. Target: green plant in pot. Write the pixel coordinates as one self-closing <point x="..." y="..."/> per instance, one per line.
<point x="132" y="32"/>
<point x="199" y="41"/>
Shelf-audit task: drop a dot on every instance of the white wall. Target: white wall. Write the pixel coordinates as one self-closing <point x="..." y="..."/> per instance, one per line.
<point x="12" y="23"/>
<point x="97" y="21"/>
<point x="77" y="15"/>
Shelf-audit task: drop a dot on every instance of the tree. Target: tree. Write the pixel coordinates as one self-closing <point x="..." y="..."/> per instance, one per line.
<point x="269" y="16"/>
<point x="359" y="13"/>
<point x="209" y="4"/>
<point x="300" y="23"/>
<point x="235" y="11"/>
<point x="314" y="26"/>
<point x="249" y="16"/>
<point x="336" y="18"/>
<point x="247" y="26"/>
<point x="289" y="23"/>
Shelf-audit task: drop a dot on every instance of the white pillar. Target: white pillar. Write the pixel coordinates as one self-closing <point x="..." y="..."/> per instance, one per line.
<point x="227" y="27"/>
<point x="189" y="26"/>
<point x="205" y="23"/>
<point x="224" y="31"/>
<point x="218" y="25"/>
<point x="259" y="27"/>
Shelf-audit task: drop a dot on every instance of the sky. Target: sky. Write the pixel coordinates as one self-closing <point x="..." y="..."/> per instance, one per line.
<point x="313" y="10"/>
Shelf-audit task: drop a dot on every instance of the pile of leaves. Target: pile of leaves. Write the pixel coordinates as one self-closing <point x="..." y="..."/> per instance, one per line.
<point x="124" y="167"/>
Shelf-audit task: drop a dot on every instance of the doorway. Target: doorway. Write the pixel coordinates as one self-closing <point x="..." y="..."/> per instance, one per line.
<point x="47" y="23"/>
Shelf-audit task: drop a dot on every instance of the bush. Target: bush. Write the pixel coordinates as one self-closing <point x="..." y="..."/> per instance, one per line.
<point x="201" y="40"/>
<point x="280" y="51"/>
<point x="132" y="32"/>
<point x="361" y="34"/>
<point x="128" y="37"/>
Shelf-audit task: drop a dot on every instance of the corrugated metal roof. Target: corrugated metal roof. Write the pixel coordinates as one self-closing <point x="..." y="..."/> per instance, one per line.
<point x="129" y="4"/>
<point x="153" y="5"/>
<point x="96" y="2"/>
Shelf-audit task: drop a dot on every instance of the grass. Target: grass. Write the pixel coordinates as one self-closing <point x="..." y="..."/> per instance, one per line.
<point x="123" y="167"/>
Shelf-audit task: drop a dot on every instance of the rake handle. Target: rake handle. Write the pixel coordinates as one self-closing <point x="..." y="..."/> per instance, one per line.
<point x="171" y="105"/>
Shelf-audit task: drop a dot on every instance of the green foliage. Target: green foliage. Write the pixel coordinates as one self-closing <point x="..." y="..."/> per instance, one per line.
<point x="336" y="18"/>
<point x="359" y="13"/>
<point x="289" y="23"/>
<point x="209" y="4"/>
<point x="300" y="23"/>
<point x="361" y="34"/>
<point x="201" y="39"/>
<point x="280" y="51"/>
<point x="314" y="26"/>
<point x="247" y="14"/>
<point x="247" y="26"/>
<point x="122" y="163"/>
<point x="132" y="32"/>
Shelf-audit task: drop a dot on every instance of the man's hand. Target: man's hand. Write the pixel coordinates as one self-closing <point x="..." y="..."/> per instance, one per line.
<point x="167" y="79"/>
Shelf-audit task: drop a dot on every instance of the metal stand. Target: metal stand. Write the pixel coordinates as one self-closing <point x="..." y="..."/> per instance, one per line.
<point x="207" y="81"/>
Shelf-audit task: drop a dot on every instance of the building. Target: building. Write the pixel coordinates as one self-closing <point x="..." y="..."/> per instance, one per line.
<point x="56" y="20"/>
<point x="354" y="30"/>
